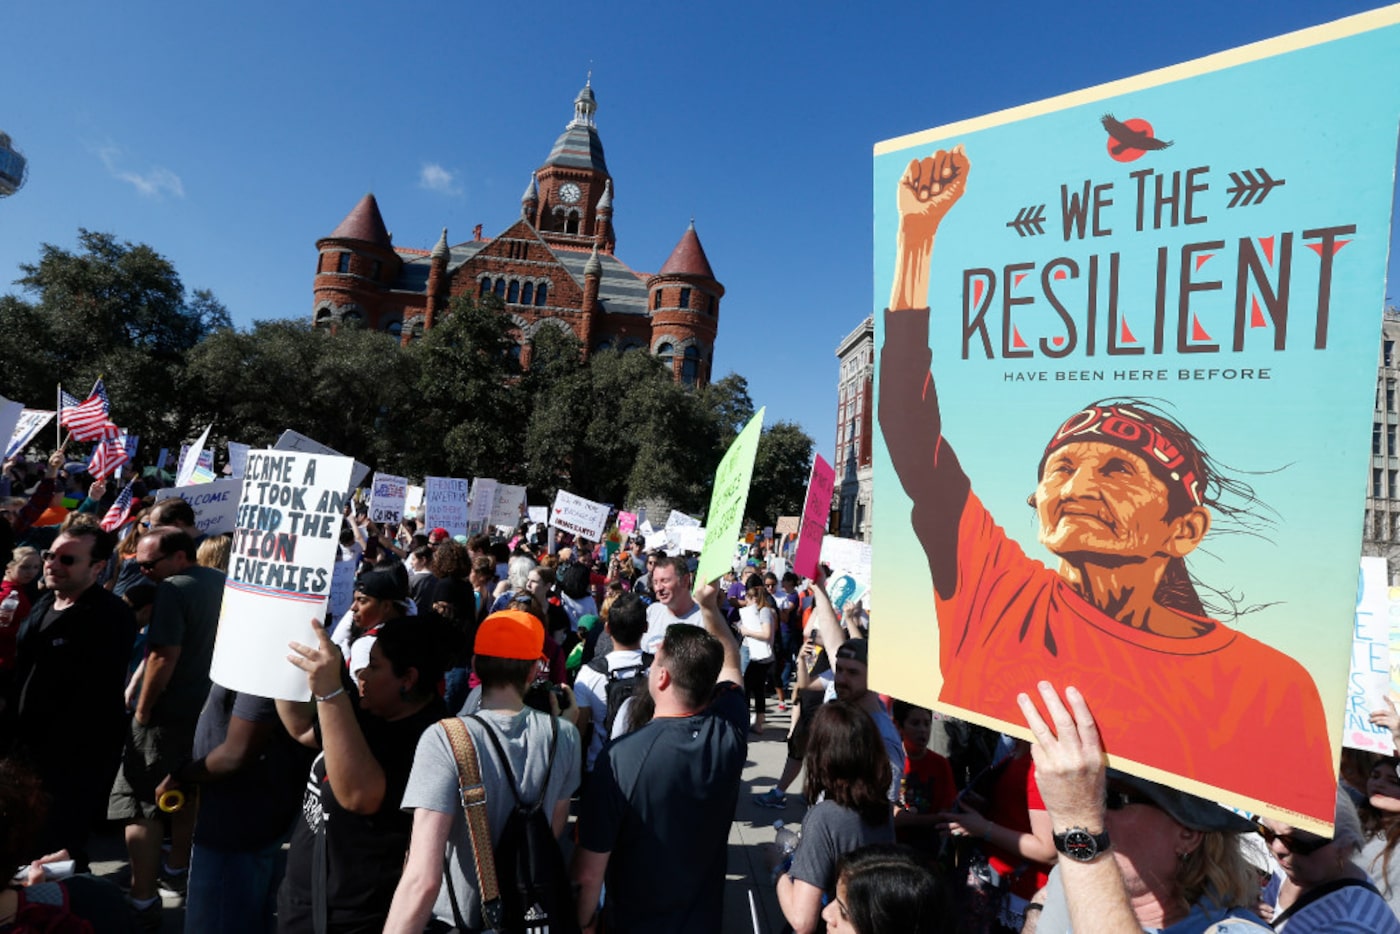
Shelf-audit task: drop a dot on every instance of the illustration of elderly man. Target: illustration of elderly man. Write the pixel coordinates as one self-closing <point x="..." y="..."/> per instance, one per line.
<point x="1123" y="495"/>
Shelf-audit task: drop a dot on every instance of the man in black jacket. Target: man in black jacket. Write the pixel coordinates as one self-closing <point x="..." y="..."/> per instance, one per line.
<point x="68" y="708"/>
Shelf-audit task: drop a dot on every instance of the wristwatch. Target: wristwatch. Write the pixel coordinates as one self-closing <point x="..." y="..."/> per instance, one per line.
<point x="1081" y="845"/>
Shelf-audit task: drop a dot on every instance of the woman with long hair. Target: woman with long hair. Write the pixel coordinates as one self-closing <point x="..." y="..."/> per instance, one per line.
<point x="758" y="620"/>
<point x="847" y="788"/>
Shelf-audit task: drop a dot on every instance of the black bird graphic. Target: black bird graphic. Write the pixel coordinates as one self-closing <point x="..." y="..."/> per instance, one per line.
<point x="1125" y="137"/>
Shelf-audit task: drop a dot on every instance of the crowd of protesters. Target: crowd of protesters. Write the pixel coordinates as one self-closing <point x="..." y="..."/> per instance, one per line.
<point x="477" y="684"/>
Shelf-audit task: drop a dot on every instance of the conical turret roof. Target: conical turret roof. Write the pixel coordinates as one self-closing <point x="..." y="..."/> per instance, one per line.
<point x="364" y="223"/>
<point x="688" y="258"/>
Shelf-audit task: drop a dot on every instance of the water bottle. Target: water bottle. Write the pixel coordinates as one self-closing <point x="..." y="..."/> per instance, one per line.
<point x="786" y="841"/>
<point x="8" y="607"/>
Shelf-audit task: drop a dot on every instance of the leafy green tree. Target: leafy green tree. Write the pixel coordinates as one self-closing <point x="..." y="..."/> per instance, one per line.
<point x="469" y="418"/>
<point x="780" y="473"/>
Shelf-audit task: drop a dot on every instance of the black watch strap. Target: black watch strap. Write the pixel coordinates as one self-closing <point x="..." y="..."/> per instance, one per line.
<point x="1081" y="845"/>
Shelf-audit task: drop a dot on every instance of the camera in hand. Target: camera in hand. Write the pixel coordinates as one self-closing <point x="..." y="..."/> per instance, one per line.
<point x="537" y="695"/>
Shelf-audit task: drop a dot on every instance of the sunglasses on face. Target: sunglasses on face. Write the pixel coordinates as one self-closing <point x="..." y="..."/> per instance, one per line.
<point x="150" y="565"/>
<point x="66" y="560"/>
<point x="1119" y="798"/>
<point x="1294" y="843"/>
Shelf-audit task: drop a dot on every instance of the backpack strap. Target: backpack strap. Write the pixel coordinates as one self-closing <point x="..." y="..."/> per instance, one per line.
<point x="473" y="796"/>
<point x="510" y="773"/>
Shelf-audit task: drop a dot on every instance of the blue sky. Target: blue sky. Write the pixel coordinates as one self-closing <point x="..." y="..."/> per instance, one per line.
<point x="231" y="137"/>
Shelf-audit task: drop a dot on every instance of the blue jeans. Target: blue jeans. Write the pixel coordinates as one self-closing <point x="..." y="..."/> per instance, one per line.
<point x="233" y="892"/>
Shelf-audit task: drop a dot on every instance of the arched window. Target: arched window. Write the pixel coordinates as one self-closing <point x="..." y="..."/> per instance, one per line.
<point x="513" y="294"/>
<point x="666" y="354"/>
<point x="323" y="318"/>
<point x="571" y="223"/>
<point x="394" y="329"/>
<point x="352" y="318"/>
<point x="685" y="298"/>
<point x="542" y="295"/>
<point x="690" y="366"/>
<point x="485" y="287"/>
<point x="604" y="346"/>
<point x="527" y="293"/>
<point x="500" y="288"/>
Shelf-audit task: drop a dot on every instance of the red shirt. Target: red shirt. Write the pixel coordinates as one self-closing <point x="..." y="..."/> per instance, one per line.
<point x="1013" y="797"/>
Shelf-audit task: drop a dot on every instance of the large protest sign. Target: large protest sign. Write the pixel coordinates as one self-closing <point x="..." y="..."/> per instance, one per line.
<point x="482" y="501"/>
<point x="678" y="519"/>
<point x="387" y="496"/>
<point x="815" y="513"/>
<point x="578" y="515"/>
<point x="789" y="525"/>
<point x="215" y="504"/>
<point x="445" y="504"/>
<point x="1369" y="679"/>
<point x="296" y="441"/>
<point x="280" y="569"/>
<point x="1190" y="235"/>
<point x="30" y="423"/>
<point x="10" y="415"/>
<point x="237" y="459"/>
<point x="626" y="523"/>
<point x="508" y="506"/>
<point x="725" y="517"/>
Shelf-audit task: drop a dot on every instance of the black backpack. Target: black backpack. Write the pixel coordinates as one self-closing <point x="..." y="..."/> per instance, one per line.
<point x="536" y="897"/>
<point x="622" y="684"/>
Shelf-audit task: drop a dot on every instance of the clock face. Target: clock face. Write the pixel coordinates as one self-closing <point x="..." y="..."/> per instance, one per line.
<point x="569" y="193"/>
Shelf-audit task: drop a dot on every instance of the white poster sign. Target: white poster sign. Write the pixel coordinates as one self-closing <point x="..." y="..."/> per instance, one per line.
<point x="296" y="441"/>
<point x="445" y="504"/>
<point x="1370" y="662"/>
<point x="280" y="569"/>
<point x="31" y="422"/>
<point x="691" y="538"/>
<point x="413" y="503"/>
<point x="539" y="514"/>
<point x="847" y="554"/>
<point x="579" y="516"/>
<point x="215" y="504"/>
<point x="678" y="520"/>
<point x="387" y="496"/>
<point x="483" y="499"/>
<point x="506" y="509"/>
<point x="10" y="415"/>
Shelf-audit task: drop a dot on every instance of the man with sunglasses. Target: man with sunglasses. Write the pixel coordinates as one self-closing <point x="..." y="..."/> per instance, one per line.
<point x="67" y="707"/>
<point x="1134" y="855"/>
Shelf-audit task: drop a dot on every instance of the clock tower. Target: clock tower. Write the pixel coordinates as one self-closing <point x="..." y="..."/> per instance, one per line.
<point x="571" y="184"/>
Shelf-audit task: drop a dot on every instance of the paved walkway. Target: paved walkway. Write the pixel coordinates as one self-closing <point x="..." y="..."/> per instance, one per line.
<point x="748" y="888"/>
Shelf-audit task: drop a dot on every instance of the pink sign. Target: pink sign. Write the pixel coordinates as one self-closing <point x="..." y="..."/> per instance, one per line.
<point x="626" y="522"/>
<point x="814" y="517"/>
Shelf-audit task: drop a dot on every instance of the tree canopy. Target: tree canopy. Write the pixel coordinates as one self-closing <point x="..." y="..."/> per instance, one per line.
<point x="615" y="428"/>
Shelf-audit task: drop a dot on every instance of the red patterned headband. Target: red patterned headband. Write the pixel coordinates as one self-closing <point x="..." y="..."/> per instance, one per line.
<point x="1176" y="462"/>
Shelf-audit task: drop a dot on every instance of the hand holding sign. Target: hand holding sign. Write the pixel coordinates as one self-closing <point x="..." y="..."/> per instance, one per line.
<point x="322" y="664"/>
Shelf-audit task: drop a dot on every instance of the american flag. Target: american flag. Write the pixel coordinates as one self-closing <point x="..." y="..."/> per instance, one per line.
<point x="108" y="455"/>
<point x="87" y="420"/>
<point x="120" y="511"/>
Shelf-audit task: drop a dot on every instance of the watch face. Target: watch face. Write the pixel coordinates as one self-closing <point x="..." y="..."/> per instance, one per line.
<point x="1080" y="845"/>
<point x="568" y="193"/>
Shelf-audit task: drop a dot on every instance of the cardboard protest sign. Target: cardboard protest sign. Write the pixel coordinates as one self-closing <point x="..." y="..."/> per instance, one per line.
<point x="626" y="523"/>
<point x="815" y="512"/>
<point x="280" y="569"/>
<point x="678" y="519"/>
<point x="342" y="588"/>
<point x="692" y="538"/>
<point x="29" y="424"/>
<point x="413" y="502"/>
<point x="189" y="465"/>
<point x="387" y="495"/>
<point x="848" y="555"/>
<point x="237" y="459"/>
<point x="1369" y="679"/>
<point x="509" y="502"/>
<point x="646" y="528"/>
<point x="578" y="515"/>
<point x="445" y="504"/>
<point x="482" y="501"/>
<point x="539" y="514"/>
<point x="1131" y="287"/>
<point x="725" y="517"/>
<point x="296" y="441"/>
<point x="215" y="504"/>
<point x="789" y="525"/>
